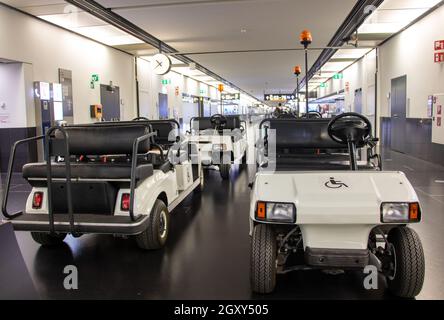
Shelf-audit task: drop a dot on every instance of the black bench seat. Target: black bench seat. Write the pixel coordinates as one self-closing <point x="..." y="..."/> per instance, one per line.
<point x="94" y="170"/>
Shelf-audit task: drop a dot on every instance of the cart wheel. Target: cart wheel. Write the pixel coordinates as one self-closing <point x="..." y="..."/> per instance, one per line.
<point x="225" y="171"/>
<point x="407" y="277"/>
<point x="263" y="259"/>
<point x="156" y="234"/>
<point x="244" y="159"/>
<point x="47" y="239"/>
<point x="199" y="188"/>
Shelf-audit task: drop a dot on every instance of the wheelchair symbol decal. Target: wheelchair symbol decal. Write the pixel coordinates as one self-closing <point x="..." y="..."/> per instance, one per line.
<point x="334" y="184"/>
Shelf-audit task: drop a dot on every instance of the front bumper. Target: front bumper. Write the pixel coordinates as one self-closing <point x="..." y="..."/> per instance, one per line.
<point x="337" y="258"/>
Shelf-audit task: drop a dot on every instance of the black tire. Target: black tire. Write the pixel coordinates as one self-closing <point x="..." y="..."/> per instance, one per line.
<point x="47" y="240"/>
<point x="199" y="188"/>
<point x="263" y="259"/>
<point x="410" y="263"/>
<point x="225" y="171"/>
<point x="244" y="158"/>
<point x="156" y="234"/>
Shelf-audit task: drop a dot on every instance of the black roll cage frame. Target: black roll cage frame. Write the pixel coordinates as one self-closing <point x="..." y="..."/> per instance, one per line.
<point x="48" y="144"/>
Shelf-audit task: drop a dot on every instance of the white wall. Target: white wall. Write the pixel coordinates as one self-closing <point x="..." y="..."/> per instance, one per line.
<point x="12" y="96"/>
<point x="47" y="48"/>
<point x="150" y="85"/>
<point x="360" y="75"/>
<point x="411" y="53"/>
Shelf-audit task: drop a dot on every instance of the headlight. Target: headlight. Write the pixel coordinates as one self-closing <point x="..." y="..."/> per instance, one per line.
<point x="219" y="147"/>
<point x="276" y="212"/>
<point x="400" y="212"/>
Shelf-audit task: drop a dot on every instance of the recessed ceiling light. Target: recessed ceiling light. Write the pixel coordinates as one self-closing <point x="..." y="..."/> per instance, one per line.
<point x="243" y="30"/>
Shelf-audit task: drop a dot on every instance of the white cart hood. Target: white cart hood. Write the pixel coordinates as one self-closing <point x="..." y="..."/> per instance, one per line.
<point x="334" y="197"/>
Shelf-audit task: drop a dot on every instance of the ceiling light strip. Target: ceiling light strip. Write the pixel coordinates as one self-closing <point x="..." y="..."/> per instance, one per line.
<point x="356" y="18"/>
<point x="121" y="23"/>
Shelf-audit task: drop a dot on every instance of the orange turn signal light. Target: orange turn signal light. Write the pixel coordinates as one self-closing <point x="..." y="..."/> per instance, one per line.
<point x="414" y="212"/>
<point x="261" y="210"/>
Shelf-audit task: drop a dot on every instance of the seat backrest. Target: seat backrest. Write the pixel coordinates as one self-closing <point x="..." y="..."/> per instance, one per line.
<point x="302" y="134"/>
<point x="167" y="131"/>
<point x="101" y="139"/>
<point x="203" y="123"/>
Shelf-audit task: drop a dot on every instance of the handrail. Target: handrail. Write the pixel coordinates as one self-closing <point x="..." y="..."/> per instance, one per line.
<point x="9" y="176"/>
<point x="191" y="124"/>
<point x="67" y="174"/>
<point x="134" y="159"/>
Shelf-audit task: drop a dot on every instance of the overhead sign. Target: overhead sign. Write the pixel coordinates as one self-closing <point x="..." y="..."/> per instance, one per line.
<point x="323" y="85"/>
<point x="279" y="97"/>
<point x="166" y="81"/>
<point x="194" y="99"/>
<point x="231" y="96"/>
<point x="338" y="76"/>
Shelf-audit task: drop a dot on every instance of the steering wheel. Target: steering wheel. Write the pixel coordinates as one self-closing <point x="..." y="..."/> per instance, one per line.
<point x="313" y="115"/>
<point x="350" y="127"/>
<point x="141" y="118"/>
<point x="218" y="121"/>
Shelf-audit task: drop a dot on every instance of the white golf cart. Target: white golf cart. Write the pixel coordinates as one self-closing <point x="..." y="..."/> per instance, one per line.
<point x="116" y="179"/>
<point x="316" y="210"/>
<point x="221" y="141"/>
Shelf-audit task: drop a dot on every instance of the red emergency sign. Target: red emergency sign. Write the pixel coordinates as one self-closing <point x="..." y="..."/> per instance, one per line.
<point x="439" y="45"/>
<point x="439" y="57"/>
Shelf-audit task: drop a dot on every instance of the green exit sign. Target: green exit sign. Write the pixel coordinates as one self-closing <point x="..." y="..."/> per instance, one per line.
<point x="323" y="85"/>
<point x="338" y="76"/>
<point x="166" y="81"/>
<point x="95" y="77"/>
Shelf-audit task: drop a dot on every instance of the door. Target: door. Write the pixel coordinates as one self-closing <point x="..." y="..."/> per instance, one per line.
<point x="163" y="106"/>
<point x="190" y="110"/>
<point x="398" y="113"/>
<point x="110" y="99"/>
<point x="358" y="101"/>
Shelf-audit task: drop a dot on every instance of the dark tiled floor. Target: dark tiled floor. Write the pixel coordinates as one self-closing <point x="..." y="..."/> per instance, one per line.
<point x="207" y="255"/>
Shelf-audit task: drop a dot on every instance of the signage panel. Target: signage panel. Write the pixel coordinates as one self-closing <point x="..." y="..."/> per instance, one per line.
<point x="279" y="97"/>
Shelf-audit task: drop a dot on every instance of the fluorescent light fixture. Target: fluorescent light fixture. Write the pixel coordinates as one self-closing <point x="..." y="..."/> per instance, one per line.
<point x="87" y="25"/>
<point x="350" y="53"/>
<point x="393" y="15"/>
<point x="336" y="66"/>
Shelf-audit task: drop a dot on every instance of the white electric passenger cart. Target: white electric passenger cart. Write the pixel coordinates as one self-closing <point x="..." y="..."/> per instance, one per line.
<point x="221" y="141"/>
<point x="121" y="178"/>
<point x="321" y="208"/>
